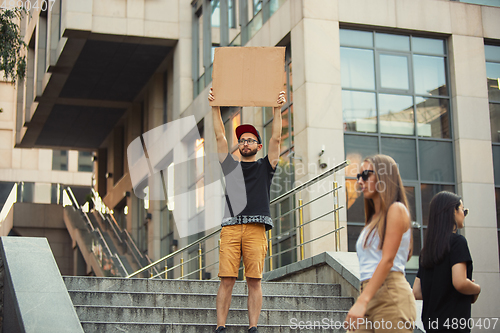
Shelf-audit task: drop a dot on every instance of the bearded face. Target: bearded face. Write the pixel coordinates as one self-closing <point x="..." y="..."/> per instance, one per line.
<point x="248" y="151"/>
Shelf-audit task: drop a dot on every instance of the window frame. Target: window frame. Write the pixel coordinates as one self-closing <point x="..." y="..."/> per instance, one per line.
<point x="494" y="144"/>
<point x="415" y="183"/>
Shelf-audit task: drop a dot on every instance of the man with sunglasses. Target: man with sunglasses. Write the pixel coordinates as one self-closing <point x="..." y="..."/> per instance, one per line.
<point x="247" y="216"/>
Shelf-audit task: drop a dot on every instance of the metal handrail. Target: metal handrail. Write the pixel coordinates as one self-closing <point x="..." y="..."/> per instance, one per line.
<point x="150" y="261"/>
<point x="11" y="200"/>
<point x="96" y="230"/>
<point x="274" y="201"/>
<point x="72" y="197"/>
<point x="121" y="263"/>
<point x="310" y="182"/>
<point x="267" y="257"/>
<point x="307" y="203"/>
<point x="286" y="233"/>
<point x="309" y="241"/>
<point x="114" y="225"/>
<point x="178" y="265"/>
<point x="133" y="247"/>
<point x="173" y="253"/>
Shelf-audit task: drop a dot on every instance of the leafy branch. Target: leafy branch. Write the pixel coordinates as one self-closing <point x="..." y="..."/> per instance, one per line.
<point x="12" y="61"/>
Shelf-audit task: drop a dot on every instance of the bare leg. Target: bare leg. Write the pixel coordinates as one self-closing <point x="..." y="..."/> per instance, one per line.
<point x="224" y="299"/>
<point x="254" y="300"/>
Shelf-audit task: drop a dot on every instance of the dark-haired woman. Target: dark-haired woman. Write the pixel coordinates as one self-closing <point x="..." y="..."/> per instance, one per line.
<point x="444" y="279"/>
<point x="386" y="303"/>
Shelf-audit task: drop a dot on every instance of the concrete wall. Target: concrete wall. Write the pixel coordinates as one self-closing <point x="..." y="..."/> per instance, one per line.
<point x="36" y="298"/>
<point x="30" y="165"/>
<point x="132" y="18"/>
<point x="44" y="220"/>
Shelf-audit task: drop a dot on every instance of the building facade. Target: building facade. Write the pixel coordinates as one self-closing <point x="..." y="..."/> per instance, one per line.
<point x="417" y="80"/>
<point x="32" y="180"/>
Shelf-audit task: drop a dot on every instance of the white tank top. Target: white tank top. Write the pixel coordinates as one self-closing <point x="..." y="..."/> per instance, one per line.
<point x="370" y="256"/>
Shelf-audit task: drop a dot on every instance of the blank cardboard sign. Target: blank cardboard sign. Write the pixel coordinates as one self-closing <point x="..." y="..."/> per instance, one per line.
<point x="248" y="76"/>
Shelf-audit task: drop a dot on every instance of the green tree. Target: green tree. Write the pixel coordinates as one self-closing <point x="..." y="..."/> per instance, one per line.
<point x="12" y="61"/>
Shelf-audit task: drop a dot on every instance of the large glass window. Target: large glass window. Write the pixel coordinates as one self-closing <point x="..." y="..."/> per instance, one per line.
<point x="357" y="69"/>
<point x="85" y="163"/>
<point x="394" y="72"/>
<point x="231" y="116"/>
<point x="396" y="114"/>
<point x="202" y="48"/>
<point x="492" y="54"/>
<point x="167" y="242"/>
<point x="359" y="110"/>
<point x="495" y="3"/>
<point x="60" y="160"/>
<point x="231" y="14"/>
<point x="395" y="101"/>
<point x="142" y="222"/>
<point x="196" y="151"/>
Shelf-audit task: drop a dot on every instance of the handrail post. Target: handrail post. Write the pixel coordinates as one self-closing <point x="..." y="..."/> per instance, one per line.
<point x="166" y="270"/>
<point x="270" y="250"/>
<point x="182" y="267"/>
<point x="200" y="261"/>
<point x="336" y="215"/>
<point x="301" y="221"/>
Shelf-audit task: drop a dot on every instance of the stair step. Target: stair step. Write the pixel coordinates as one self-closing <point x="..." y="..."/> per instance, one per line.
<point x="206" y="300"/>
<point x="116" y="327"/>
<point x="195" y="286"/>
<point x="201" y="316"/>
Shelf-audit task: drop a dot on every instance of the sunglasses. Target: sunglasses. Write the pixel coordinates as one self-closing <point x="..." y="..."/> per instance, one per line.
<point x="364" y="175"/>
<point x="466" y="211"/>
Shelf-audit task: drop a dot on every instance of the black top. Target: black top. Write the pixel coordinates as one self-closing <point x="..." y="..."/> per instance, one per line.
<point x="441" y="301"/>
<point x="247" y="188"/>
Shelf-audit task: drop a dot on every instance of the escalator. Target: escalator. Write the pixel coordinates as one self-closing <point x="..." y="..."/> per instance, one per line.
<point x="108" y="249"/>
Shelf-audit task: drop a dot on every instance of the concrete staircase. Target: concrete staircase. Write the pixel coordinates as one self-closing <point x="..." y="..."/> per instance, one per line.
<point x="144" y="305"/>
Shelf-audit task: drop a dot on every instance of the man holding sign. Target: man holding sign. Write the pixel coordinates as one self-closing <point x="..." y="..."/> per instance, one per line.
<point x="244" y="225"/>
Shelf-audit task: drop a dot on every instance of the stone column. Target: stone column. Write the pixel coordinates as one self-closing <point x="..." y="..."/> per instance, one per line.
<point x="318" y="113"/>
<point x="182" y="80"/>
<point x="473" y="155"/>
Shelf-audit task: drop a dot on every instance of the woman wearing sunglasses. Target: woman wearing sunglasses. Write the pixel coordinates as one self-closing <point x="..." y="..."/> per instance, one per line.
<point x="386" y="302"/>
<point x="444" y="278"/>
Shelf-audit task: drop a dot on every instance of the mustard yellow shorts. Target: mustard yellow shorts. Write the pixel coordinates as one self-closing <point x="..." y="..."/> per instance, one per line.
<point x="247" y="240"/>
<point x="392" y="308"/>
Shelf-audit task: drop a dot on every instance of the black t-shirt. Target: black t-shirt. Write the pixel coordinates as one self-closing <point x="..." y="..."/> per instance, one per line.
<point x="441" y="301"/>
<point x="248" y="187"/>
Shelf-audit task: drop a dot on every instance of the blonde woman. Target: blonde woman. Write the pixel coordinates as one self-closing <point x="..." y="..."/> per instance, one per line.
<point x="386" y="302"/>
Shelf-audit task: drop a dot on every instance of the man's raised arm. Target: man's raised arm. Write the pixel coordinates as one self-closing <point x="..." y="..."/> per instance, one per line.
<point x="220" y="133"/>
<point x="274" y="143"/>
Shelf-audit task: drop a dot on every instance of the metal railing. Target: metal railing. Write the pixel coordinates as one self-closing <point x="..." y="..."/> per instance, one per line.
<point x="109" y="260"/>
<point x="162" y="269"/>
<point x="122" y="235"/>
<point x="11" y="200"/>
